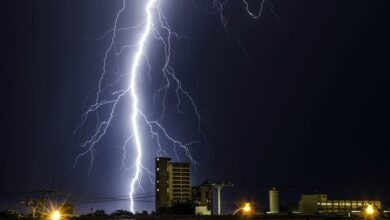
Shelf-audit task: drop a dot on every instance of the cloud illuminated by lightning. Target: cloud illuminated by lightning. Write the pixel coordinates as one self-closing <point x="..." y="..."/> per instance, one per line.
<point x="102" y="111"/>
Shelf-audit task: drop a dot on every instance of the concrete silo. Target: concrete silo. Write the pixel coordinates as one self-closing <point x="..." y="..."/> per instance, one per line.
<point x="273" y="201"/>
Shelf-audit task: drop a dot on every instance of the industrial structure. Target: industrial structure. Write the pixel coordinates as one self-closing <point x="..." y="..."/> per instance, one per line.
<point x="314" y="204"/>
<point x="174" y="195"/>
<point x="273" y="201"/>
<point x="202" y="198"/>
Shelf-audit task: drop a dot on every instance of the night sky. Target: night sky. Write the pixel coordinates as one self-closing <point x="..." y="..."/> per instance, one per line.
<point x="307" y="110"/>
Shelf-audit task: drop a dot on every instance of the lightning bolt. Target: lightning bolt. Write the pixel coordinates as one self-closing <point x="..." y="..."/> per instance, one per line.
<point x="135" y="109"/>
<point x="160" y="30"/>
<point x="110" y="93"/>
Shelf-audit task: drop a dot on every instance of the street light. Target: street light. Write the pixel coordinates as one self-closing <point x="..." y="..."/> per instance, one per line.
<point x="370" y="210"/>
<point x="56" y="215"/>
<point x="246" y="209"/>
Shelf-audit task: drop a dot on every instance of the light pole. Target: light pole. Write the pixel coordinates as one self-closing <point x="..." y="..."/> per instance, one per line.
<point x="219" y="186"/>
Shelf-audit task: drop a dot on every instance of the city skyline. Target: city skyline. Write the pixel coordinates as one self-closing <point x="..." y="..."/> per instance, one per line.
<point x="300" y="101"/>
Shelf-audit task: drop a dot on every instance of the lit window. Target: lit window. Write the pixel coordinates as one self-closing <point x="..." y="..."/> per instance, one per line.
<point x="158" y="169"/>
<point x="158" y="189"/>
<point x="158" y="181"/>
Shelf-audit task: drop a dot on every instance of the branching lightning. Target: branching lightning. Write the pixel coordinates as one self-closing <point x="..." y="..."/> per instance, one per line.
<point x="218" y="6"/>
<point x="153" y="26"/>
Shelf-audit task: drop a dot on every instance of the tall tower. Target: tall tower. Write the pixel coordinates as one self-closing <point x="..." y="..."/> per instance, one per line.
<point x="273" y="201"/>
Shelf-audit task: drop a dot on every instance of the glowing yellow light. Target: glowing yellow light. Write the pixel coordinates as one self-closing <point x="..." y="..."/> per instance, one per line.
<point x="56" y="215"/>
<point x="247" y="207"/>
<point x="370" y="210"/>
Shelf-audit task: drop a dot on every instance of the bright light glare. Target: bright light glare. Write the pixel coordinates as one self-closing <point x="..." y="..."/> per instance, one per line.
<point x="56" y="215"/>
<point x="370" y="210"/>
<point x="247" y="207"/>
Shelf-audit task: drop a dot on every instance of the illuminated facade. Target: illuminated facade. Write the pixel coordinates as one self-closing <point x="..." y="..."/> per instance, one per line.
<point x="179" y="189"/>
<point x="321" y="204"/>
<point x="345" y="206"/>
<point x="173" y="183"/>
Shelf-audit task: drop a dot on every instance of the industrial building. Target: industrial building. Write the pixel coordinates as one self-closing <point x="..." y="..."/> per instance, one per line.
<point x="202" y="198"/>
<point x="173" y="183"/>
<point x="320" y="204"/>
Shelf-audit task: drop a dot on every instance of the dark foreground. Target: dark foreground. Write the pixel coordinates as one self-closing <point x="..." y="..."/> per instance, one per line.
<point x="237" y="217"/>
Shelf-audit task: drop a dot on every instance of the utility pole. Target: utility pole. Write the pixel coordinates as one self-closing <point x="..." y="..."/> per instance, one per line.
<point x="219" y="187"/>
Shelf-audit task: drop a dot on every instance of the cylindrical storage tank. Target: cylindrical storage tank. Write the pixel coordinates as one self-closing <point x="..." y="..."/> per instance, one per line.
<point x="273" y="201"/>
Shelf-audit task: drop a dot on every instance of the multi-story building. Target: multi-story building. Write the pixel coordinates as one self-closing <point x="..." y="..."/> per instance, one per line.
<point x="179" y="182"/>
<point x="173" y="183"/>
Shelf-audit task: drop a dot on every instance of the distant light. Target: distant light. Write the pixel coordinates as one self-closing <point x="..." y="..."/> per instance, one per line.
<point x="56" y="215"/>
<point x="370" y="210"/>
